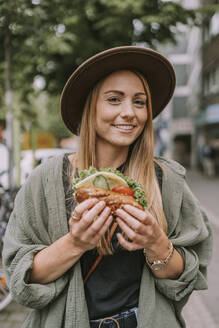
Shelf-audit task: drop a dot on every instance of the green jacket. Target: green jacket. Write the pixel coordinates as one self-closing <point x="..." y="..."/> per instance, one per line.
<point x="39" y="218"/>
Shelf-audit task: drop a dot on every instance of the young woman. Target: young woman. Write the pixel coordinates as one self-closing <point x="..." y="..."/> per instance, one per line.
<point x="158" y="255"/>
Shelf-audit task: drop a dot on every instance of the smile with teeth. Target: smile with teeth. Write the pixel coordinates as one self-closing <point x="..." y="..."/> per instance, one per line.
<point x="124" y="127"/>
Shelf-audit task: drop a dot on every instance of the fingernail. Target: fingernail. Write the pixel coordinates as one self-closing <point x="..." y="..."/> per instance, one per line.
<point x="94" y="199"/>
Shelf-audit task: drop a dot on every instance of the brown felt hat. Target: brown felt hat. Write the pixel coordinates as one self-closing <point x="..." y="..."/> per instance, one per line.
<point x="157" y="70"/>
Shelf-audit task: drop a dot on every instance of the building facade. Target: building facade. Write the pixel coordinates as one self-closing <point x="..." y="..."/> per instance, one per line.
<point x="192" y="117"/>
<point x="179" y="117"/>
<point x="207" y="122"/>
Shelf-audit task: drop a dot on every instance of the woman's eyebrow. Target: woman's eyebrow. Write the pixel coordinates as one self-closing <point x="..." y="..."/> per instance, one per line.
<point x="115" y="91"/>
<point x="122" y="93"/>
<point x="140" y="94"/>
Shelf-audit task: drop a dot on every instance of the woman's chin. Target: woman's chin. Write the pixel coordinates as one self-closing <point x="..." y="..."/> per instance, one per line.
<point x="122" y="143"/>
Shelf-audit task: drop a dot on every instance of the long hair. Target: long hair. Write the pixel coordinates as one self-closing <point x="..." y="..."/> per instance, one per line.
<point x="140" y="162"/>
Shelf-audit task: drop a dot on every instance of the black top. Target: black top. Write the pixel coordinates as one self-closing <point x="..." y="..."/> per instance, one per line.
<point x="114" y="285"/>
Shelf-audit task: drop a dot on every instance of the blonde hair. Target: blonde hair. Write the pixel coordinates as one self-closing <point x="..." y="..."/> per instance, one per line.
<point x="140" y="164"/>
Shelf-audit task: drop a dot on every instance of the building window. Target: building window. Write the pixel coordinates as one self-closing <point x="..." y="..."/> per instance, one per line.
<point x="180" y="107"/>
<point x="211" y="27"/>
<point x="206" y="31"/>
<point x="217" y="76"/>
<point x="206" y="84"/>
<point x="211" y="81"/>
<point x="181" y="74"/>
<point x="215" y="24"/>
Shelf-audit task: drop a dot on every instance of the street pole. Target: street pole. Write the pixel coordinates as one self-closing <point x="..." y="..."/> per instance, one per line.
<point x="17" y="147"/>
<point x="8" y="104"/>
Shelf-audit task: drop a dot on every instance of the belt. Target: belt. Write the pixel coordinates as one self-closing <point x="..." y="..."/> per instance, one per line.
<point x="125" y="319"/>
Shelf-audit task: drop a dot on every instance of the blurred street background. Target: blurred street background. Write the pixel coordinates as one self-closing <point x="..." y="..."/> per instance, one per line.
<point x="43" y="42"/>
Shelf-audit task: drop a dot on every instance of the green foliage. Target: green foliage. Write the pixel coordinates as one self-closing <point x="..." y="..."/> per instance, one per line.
<point x="52" y="121"/>
<point x="51" y="38"/>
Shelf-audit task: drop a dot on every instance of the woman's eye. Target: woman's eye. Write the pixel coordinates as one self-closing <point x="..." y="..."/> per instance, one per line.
<point x="114" y="100"/>
<point x="140" y="102"/>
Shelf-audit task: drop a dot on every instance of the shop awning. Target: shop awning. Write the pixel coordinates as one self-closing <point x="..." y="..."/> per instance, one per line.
<point x="209" y="116"/>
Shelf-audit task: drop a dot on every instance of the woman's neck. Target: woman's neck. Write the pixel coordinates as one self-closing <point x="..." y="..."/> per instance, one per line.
<point x="109" y="156"/>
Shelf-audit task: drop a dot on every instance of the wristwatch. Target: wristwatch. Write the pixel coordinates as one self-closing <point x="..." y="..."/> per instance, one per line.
<point x="160" y="264"/>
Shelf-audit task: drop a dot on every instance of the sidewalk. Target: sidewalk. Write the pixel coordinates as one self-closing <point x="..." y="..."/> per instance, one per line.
<point x="196" y="313"/>
<point x="202" y="309"/>
<point x="13" y="316"/>
<point x="206" y="190"/>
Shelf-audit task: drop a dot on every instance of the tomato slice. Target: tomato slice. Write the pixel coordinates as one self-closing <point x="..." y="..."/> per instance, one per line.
<point x="124" y="190"/>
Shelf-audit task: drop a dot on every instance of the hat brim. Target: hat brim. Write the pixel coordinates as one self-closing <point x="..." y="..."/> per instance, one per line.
<point x="157" y="70"/>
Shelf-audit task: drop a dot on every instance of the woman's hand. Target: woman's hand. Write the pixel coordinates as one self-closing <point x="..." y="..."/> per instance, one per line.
<point x="93" y="221"/>
<point x="53" y="261"/>
<point x="142" y="229"/>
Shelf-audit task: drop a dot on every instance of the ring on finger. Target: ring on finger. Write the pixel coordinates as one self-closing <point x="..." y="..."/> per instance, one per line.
<point x="74" y="217"/>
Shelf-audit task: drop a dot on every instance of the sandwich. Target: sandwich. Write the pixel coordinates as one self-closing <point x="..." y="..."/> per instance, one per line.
<point x="109" y="185"/>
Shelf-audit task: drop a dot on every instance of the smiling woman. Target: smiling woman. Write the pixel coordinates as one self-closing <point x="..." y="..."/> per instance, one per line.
<point x="121" y="114"/>
<point x="103" y="237"/>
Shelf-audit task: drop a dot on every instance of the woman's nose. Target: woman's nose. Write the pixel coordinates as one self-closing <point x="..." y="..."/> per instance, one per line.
<point x="127" y="110"/>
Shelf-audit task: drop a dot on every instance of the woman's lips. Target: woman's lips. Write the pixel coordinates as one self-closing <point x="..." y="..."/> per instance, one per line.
<point x="124" y="127"/>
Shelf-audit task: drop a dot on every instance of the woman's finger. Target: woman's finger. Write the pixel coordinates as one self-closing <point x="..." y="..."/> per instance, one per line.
<point x="103" y="230"/>
<point x="96" y="225"/>
<point x="130" y="233"/>
<point x="133" y="223"/>
<point x="143" y="216"/>
<point x="84" y="206"/>
<point x="89" y="217"/>
<point x="127" y="244"/>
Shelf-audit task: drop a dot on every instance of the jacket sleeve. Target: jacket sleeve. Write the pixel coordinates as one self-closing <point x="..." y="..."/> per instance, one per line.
<point x="27" y="234"/>
<point x="192" y="237"/>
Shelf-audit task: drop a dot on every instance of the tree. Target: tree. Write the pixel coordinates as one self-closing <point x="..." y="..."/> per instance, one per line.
<point x="50" y="39"/>
<point x="47" y="40"/>
<point x="88" y="27"/>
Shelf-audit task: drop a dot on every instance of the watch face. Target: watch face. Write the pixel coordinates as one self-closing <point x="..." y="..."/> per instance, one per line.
<point x="158" y="265"/>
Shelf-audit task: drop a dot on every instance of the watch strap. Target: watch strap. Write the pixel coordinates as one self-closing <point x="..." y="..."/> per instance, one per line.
<point x="159" y="264"/>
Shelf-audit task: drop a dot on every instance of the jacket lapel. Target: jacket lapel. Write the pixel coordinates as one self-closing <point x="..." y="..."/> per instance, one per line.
<point x="54" y="192"/>
<point x="172" y="192"/>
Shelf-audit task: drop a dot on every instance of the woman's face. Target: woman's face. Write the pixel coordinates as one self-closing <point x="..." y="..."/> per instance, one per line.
<point x="121" y="111"/>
